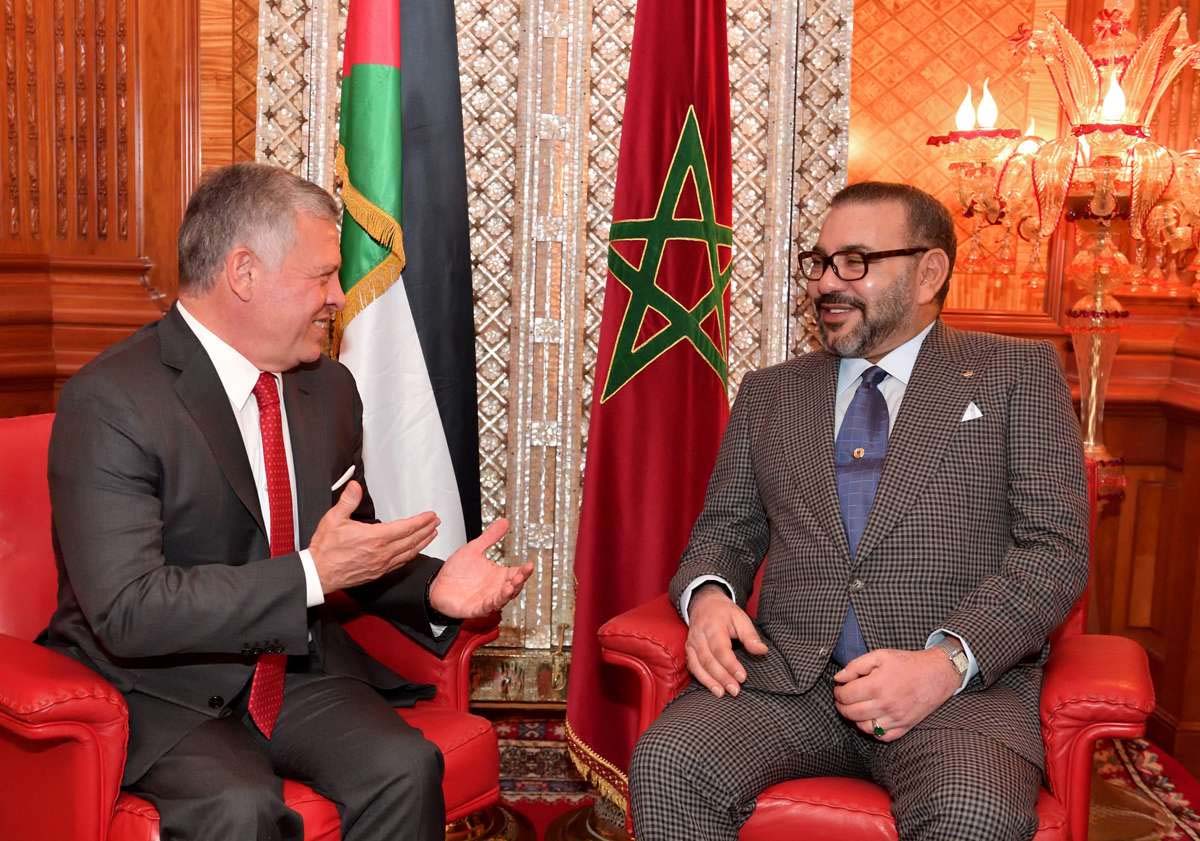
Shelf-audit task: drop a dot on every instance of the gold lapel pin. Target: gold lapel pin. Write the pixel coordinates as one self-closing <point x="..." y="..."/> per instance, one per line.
<point x="968" y="373"/>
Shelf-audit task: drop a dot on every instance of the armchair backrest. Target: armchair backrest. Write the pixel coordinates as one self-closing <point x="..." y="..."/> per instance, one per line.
<point x="28" y="578"/>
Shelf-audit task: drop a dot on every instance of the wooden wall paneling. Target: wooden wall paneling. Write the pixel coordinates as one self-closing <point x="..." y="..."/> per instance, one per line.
<point x="168" y="47"/>
<point x="100" y="117"/>
<point x="216" y="83"/>
<point x="1177" y="722"/>
<point x="1134" y="572"/>
<point x="26" y="343"/>
<point x="228" y="79"/>
<point x="1145" y="583"/>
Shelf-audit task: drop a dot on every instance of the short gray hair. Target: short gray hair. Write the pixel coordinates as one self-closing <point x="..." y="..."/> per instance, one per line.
<point x="248" y="204"/>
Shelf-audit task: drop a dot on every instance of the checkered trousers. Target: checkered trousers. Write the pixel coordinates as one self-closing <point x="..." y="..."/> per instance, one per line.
<point x="978" y="526"/>
<point x="697" y="770"/>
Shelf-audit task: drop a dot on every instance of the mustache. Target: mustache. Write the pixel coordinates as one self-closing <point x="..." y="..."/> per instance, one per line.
<point x="839" y="299"/>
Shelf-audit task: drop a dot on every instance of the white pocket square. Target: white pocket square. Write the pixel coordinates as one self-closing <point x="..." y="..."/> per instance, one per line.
<point x="972" y="412"/>
<point x="350" y="472"/>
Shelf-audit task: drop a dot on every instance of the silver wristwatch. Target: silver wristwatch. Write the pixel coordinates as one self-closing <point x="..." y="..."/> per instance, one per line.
<point x="954" y="650"/>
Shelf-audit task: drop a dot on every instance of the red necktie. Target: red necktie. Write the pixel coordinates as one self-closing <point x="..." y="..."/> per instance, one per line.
<point x="266" y="689"/>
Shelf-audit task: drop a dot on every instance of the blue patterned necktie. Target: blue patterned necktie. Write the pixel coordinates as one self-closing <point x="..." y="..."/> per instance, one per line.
<point x="859" y="452"/>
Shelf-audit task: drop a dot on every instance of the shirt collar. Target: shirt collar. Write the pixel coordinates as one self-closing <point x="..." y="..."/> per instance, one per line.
<point x="898" y="363"/>
<point x="238" y="374"/>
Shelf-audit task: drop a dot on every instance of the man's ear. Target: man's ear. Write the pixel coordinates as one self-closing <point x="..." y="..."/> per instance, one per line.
<point x="241" y="270"/>
<point x="932" y="274"/>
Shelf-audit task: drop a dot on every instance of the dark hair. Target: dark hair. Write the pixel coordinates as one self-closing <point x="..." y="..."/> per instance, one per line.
<point x="248" y="204"/>
<point x="929" y="222"/>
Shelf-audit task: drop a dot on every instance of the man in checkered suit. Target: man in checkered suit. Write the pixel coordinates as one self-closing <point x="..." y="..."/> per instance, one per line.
<point x="919" y="493"/>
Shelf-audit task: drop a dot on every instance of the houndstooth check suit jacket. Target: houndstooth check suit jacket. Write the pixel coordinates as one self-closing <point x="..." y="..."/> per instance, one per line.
<point x="978" y="526"/>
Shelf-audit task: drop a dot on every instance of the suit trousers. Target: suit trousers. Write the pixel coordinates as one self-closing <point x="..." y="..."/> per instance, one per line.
<point x="225" y="781"/>
<point x="697" y="770"/>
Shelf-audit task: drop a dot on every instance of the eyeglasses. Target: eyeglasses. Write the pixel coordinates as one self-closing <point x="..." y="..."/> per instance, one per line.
<point x="848" y="265"/>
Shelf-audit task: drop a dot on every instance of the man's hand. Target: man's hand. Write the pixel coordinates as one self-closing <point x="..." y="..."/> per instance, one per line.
<point x="347" y="552"/>
<point x="470" y="585"/>
<point x="895" y="690"/>
<point x="715" y="621"/>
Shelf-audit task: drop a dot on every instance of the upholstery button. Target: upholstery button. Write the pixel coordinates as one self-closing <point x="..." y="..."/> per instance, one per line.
<point x="856" y="585"/>
<point x="216" y="702"/>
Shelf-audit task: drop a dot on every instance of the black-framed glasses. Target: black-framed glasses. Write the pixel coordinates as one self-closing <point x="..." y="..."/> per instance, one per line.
<point x="849" y="265"/>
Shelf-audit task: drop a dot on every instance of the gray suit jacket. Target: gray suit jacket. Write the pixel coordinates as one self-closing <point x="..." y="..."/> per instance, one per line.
<point x="979" y="527"/>
<point x="166" y="584"/>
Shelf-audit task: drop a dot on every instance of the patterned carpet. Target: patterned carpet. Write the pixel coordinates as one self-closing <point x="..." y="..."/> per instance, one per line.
<point x="1139" y="793"/>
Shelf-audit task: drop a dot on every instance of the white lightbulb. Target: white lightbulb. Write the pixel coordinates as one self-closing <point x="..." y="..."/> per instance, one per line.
<point x="964" y="119"/>
<point x="987" y="114"/>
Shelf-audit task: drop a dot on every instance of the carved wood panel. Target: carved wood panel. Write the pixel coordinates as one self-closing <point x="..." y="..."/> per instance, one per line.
<point x="88" y="207"/>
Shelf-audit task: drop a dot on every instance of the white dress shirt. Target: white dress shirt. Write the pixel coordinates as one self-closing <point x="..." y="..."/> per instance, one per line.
<point x="238" y="376"/>
<point x="898" y="364"/>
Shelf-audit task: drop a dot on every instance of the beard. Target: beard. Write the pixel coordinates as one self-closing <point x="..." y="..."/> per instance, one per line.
<point x="877" y="323"/>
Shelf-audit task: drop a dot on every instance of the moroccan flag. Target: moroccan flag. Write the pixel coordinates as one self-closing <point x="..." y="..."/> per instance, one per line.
<point x="660" y="401"/>
<point x="407" y="331"/>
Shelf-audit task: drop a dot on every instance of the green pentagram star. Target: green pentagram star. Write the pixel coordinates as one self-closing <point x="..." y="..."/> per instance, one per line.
<point x="629" y="358"/>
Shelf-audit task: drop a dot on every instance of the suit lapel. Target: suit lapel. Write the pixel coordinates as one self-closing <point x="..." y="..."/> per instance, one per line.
<point x="200" y="390"/>
<point x="934" y="400"/>
<point x="806" y="423"/>
<point x="310" y="451"/>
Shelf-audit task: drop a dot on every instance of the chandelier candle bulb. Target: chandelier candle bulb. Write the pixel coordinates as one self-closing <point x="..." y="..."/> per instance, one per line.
<point x="987" y="114"/>
<point x="1112" y="110"/>
<point x="964" y="119"/>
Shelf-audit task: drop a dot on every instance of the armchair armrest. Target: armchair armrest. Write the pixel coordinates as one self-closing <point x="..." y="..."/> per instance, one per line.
<point x="450" y="675"/>
<point x="649" y="640"/>
<point x="63" y="733"/>
<point x="1094" y="687"/>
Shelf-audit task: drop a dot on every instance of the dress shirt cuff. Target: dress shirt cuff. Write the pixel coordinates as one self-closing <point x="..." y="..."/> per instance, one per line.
<point x="685" y="599"/>
<point x="972" y="664"/>
<point x="312" y="582"/>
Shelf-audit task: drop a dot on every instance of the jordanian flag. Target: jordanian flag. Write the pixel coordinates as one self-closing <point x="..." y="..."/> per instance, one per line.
<point x="660" y="401"/>
<point x="407" y="332"/>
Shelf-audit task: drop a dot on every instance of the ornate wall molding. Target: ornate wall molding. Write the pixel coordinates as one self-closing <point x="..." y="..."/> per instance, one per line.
<point x="91" y="262"/>
<point x="121" y="89"/>
<point x="82" y="130"/>
<point x="32" y="120"/>
<point x="543" y="94"/>
<point x="102" y="120"/>
<point x="245" y="78"/>
<point x="12" y="130"/>
<point x="60" y="120"/>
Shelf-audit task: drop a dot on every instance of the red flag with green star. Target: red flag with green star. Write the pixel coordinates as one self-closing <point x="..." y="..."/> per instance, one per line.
<point x="660" y="401"/>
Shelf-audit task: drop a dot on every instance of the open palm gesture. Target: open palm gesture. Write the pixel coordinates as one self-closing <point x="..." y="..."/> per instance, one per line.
<point x="469" y="585"/>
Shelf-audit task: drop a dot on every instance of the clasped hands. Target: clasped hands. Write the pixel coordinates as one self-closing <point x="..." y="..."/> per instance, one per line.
<point x="347" y="552"/>
<point x="893" y="689"/>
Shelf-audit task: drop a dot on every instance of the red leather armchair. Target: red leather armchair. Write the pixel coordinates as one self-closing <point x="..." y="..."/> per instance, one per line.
<point x="1095" y="687"/>
<point x="63" y="729"/>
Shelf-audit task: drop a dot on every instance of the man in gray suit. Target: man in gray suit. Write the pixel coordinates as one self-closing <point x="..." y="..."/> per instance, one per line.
<point x="208" y="493"/>
<point x="918" y="493"/>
